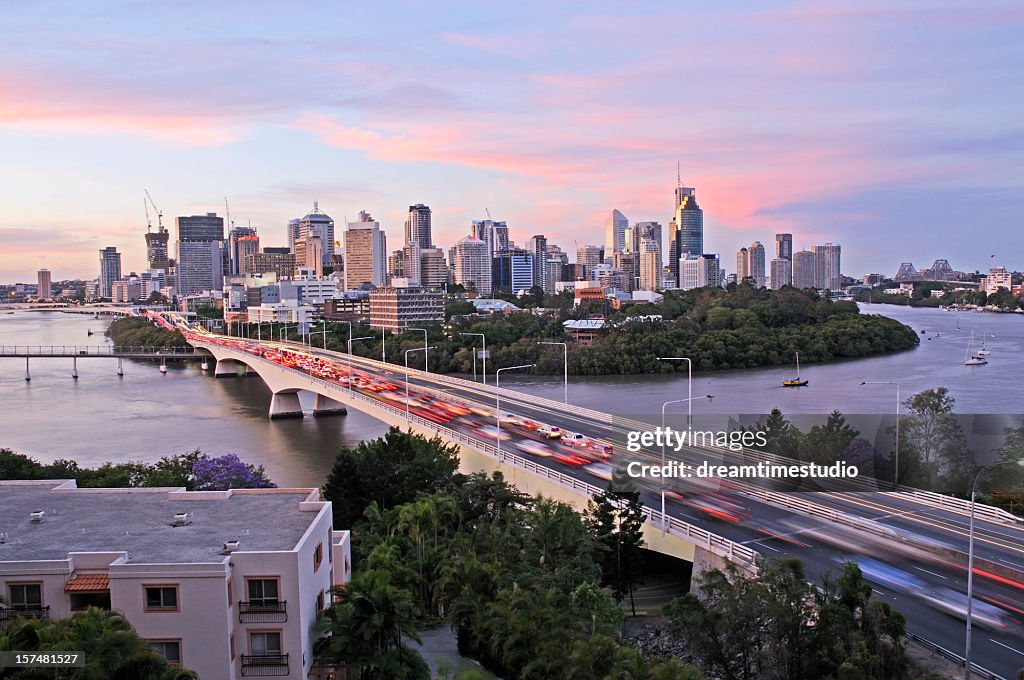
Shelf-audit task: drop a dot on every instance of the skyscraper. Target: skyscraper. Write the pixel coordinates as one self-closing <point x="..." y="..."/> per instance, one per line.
<point x="755" y="251"/>
<point x="649" y="255"/>
<point x="538" y="245"/>
<point x="781" y="273"/>
<point x="784" y="246"/>
<point x="494" y="234"/>
<point x="243" y="248"/>
<point x="110" y="269"/>
<point x="156" y="249"/>
<point x="236" y="259"/>
<point x="321" y="224"/>
<point x="803" y="269"/>
<point x="742" y="264"/>
<point x="615" y="233"/>
<point x="473" y="265"/>
<point x="417" y="226"/>
<point x="44" y="290"/>
<point x="200" y="253"/>
<point x="433" y="268"/>
<point x="589" y="257"/>
<point x="512" y="270"/>
<point x="826" y="267"/>
<point x="688" y="236"/>
<point x="365" y="253"/>
<point x="698" y="271"/>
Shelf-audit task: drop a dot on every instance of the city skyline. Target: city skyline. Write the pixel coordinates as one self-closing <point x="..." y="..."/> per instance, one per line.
<point x="845" y="123"/>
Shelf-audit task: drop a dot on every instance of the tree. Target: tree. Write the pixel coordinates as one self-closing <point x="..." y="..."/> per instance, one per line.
<point x="113" y="650"/>
<point x="615" y="519"/>
<point x="934" y="437"/>
<point x="825" y="444"/>
<point x="390" y="470"/>
<point x="228" y="472"/>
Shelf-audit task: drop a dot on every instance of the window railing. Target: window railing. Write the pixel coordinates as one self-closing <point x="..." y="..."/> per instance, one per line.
<point x="33" y="611"/>
<point x="264" y="665"/>
<point x="257" y="611"/>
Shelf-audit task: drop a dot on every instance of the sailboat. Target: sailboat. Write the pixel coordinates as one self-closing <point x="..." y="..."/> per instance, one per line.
<point x="973" y="359"/>
<point x="984" y="351"/>
<point x="957" y="328"/>
<point x="795" y="382"/>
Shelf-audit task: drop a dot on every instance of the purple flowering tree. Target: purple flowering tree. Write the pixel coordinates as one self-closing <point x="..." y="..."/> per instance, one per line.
<point x="228" y="472"/>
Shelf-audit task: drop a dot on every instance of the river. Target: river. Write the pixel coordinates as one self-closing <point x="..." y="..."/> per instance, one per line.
<point x="145" y="415"/>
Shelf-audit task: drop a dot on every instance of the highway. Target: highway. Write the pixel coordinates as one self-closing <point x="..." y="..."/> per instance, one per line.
<point x="925" y="585"/>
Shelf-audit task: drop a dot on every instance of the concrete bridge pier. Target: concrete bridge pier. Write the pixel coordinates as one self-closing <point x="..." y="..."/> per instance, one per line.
<point x="28" y="376"/>
<point x="74" y="368"/>
<point x="120" y="368"/>
<point x="226" y="368"/>
<point x="250" y="372"/>
<point x="284" y="404"/>
<point x="325" y="406"/>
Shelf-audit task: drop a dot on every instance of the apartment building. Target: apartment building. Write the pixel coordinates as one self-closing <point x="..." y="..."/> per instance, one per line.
<point x="227" y="583"/>
<point x="396" y="309"/>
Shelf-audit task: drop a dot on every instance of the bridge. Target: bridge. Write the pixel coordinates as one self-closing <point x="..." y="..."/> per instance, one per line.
<point x="76" y="352"/>
<point x="920" y="538"/>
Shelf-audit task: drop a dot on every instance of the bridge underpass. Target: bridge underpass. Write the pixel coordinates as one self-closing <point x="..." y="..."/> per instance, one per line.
<point x="685" y="536"/>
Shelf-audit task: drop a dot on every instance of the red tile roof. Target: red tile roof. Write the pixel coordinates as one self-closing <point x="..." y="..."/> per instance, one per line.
<point x="89" y="583"/>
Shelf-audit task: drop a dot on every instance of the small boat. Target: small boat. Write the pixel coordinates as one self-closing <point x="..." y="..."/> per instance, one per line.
<point x="984" y="351"/>
<point x="795" y="382"/>
<point x="973" y="359"/>
<point x="89" y="331"/>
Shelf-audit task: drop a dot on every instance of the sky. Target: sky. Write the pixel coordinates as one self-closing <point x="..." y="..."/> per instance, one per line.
<point x="892" y="128"/>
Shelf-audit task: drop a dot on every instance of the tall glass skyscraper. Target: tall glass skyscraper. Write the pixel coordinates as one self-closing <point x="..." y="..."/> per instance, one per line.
<point x="688" y="238"/>
<point x="417" y="226"/>
<point x="615" y="233"/>
<point x="110" y="269"/>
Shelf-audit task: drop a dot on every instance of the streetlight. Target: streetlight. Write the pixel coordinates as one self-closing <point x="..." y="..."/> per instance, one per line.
<point x="970" y="562"/>
<point x="350" y="341"/>
<point x="414" y="349"/>
<point x="709" y="397"/>
<point x="281" y="331"/>
<point x="896" y="465"/>
<point x="565" y="350"/>
<point x="497" y="401"/>
<point x="426" y="364"/>
<point x="349" y="335"/>
<point x="485" y="353"/>
<point x="689" y="386"/>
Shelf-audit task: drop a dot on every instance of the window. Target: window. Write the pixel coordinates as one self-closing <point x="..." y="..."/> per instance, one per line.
<point x="162" y="598"/>
<point x="265" y="643"/>
<point x="232" y="645"/>
<point x="169" y="649"/>
<point x="318" y="556"/>
<point x="320" y="602"/>
<point x="26" y="596"/>
<point x="263" y="591"/>
<point x="231" y="598"/>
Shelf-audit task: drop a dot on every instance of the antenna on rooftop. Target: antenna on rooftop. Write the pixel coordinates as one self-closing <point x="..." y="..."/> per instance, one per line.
<point x="679" y="174"/>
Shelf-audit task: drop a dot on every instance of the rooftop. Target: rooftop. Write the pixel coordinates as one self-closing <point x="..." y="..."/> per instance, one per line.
<point x="139" y="522"/>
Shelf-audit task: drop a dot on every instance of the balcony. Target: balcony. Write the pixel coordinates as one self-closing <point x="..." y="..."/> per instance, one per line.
<point x="263" y="612"/>
<point x="8" y="614"/>
<point x="264" y="665"/>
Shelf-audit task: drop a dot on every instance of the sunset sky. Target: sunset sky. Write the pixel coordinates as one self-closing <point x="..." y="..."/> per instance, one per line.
<point x="893" y="128"/>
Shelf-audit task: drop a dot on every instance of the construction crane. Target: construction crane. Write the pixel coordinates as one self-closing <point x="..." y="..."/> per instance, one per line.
<point x="149" y="223"/>
<point x="488" y="214"/>
<point x="159" y="213"/>
<point x="227" y="209"/>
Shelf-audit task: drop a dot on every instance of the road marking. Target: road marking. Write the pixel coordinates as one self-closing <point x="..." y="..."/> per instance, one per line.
<point x="1007" y="646"/>
<point x="1012" y="564"/>
<point x="932" y="573"/>
<point x="764" y="545"/>
<point x="879" y="592"/>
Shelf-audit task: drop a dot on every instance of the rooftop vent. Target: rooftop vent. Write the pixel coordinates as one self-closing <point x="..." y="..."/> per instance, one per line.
<point x="181" y="519"/>
<point x="231" y="546"/>
<point x="37" y="515"/>
<point x="3" y="537"/>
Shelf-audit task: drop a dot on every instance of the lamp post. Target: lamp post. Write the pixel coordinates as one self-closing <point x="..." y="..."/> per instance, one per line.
<point x="350" y="341"/>
<point x="565" y="368"/>
<point x="896" y="464"/>
<point x="688" y="401"/>
<point x="426" y="364"/>
<point x="282" y="330"/>
<point x="349" y="335"/>
<point x="414" y="349"/>
<point x="485" y="353"/>
<point x="497" y="401"/>
<point x="970" y="562"/>
<point x="689" y="386"/>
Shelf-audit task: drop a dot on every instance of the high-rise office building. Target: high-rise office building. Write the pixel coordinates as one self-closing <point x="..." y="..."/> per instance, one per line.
<point x="742" y="264"/>
<point x="277" y="260"/>
<point x="649" y="255"/>
<point x="417" y="226"/>
<point x="688" y="233"/>
<point x="803" y="269"/>
<point x="512" y="270"/>
<point x="552" y="274"/>
<point x="293" y="232"/>
<point x="236" y="259"/>
<point x="589" y="257"/>
<point x="698" y="271"/>
<point x="615" y="232"/>
<point x="784" y="246"/>
<point x="110" y="270"/>
<point x="244" y="247"/>
<point x="411" y="264"/>
<point x="321" y="224"/>
<point x="309" y="254"/>
<point x="433" y="268"/>
<point x="494" y="234"/>
<point x="44" y="290"/>
<point x="365" y="253"/>
<point x="781" y="273"/>
<point x="200" y="253"/>
<point x="826" y="267"/>
<point x="755" y="252"/>
<point x="473" y="265"/>
<point x="157" y="253"/>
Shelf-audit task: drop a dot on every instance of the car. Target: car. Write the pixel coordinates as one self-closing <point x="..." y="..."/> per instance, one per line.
<point x="534" y="448"/>
<point x="509" y="419"/>
<point x="492" y="432"/>
<point x="575" y="439"/>
<point x="550" y="431"/>
<point x="602" y="470"/>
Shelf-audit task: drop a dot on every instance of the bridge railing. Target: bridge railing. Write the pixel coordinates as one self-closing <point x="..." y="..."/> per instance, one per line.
<point x="720" y="545"/>
<point x="91" y="350"/>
